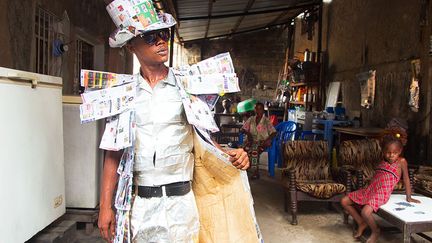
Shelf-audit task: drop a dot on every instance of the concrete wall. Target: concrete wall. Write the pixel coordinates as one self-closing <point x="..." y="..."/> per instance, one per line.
<point x="88" y="20"/>
<point x="191" y="54"/>
<point x="257" y="57"/>
<point x="20" y="29"/>
<point x="301" y="41"/>
<point x="5" y="51"/>
<point x="384" y="35"/>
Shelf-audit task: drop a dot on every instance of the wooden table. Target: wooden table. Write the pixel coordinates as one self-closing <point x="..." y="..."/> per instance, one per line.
<point x="350" y="133"/>
<point x="368" y="132"/>
<point x="329" y="125"/>
<point x="410" y="218"/>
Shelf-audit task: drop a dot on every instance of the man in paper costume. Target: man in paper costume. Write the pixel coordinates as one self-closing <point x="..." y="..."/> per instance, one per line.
<point x="182" y="193"/>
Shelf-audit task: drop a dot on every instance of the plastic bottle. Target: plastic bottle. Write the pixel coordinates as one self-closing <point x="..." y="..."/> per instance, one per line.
<point x="300" y="93"/>
<point x="334" y="159"/>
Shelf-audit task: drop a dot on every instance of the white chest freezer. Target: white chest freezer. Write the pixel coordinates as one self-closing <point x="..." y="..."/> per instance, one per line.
<point x="32" y="184"/>
<point x="83" y="158"/>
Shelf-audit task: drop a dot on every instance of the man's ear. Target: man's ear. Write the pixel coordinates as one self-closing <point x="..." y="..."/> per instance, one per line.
<point x="130" y="48"/>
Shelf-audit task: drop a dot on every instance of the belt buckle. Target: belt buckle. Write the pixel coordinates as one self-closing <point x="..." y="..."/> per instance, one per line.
<point x="163" y="188"/>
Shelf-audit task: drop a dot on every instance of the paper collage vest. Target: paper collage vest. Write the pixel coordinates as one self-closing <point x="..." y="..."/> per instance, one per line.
<point x="222" y="192"/>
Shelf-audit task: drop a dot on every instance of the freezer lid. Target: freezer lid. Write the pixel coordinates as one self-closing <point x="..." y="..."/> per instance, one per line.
<point x="72" y="99"/>
<point x="33" y="79"/>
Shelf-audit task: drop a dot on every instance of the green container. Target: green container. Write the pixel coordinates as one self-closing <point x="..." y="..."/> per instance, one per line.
<point x="246" y="105"/>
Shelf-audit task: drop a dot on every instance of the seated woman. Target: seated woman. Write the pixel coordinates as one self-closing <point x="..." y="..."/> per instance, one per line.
<point x="260" y="132"/>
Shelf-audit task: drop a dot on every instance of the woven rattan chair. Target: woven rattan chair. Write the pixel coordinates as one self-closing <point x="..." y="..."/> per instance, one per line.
<point x="308" y="176"/>
<point x="423" y="180"/>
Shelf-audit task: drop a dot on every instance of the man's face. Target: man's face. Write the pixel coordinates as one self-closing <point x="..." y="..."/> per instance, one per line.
<point x="152" y="48"/>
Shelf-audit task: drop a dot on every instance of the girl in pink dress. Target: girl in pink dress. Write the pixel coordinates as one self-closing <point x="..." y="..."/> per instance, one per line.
<point x="386" y="176"/>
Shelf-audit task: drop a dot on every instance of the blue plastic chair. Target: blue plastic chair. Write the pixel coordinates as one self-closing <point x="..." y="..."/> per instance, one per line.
<point x="286" y="131"/>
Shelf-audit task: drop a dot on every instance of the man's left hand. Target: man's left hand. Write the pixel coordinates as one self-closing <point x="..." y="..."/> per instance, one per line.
<point x="239" y="158"/>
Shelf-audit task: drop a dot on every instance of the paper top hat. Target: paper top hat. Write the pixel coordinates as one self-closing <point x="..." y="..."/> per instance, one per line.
<point x="135" y="17"/>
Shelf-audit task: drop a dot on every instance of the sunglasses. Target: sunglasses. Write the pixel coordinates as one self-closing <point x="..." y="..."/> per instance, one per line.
<point x="151" y="38"/>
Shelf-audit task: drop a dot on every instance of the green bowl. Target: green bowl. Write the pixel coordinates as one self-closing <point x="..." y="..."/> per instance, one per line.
<point x="246" y="105"/>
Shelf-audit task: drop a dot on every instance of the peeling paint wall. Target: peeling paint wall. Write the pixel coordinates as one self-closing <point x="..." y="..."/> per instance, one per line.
<point x="5" y="51"/>
<point x="88" y="20"/>
<point x="20" y="19"/>
<point x="258" y="57"/>
<point x="383" y="35"/>
<point x="301" y="41"/>
<point x="192" y="52"/>
<point x="263" y="52"/>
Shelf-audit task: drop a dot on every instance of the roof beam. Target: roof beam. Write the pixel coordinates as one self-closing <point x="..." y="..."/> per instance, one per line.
<point x="280" y="16"/>
<point x="169" y="5"/>
<point x="209" y="13"/>
<point x="269" y="25"/>
<point x="248" y="13"/>
<point x="240" y="32"/>
<point x="172" y="8"/>
<point x="247" y="8"/>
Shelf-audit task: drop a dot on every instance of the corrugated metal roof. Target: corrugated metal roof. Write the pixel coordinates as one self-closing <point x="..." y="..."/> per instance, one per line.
<point x="200" y="19"/>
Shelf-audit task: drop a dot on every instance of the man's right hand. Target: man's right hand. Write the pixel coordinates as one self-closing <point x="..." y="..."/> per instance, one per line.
<point x="106" y="224"/>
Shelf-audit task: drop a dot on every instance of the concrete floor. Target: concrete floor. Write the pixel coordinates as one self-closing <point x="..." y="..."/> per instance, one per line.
<point x="316" y="221"/>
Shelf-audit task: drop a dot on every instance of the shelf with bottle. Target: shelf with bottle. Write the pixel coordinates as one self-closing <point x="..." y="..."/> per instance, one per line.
<point x="305" y="85"/>
<point x="305" y="95"/>
<point x="297" y="102"/>
<point x="302" y="93"/>
<point x="292" y="84"/>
